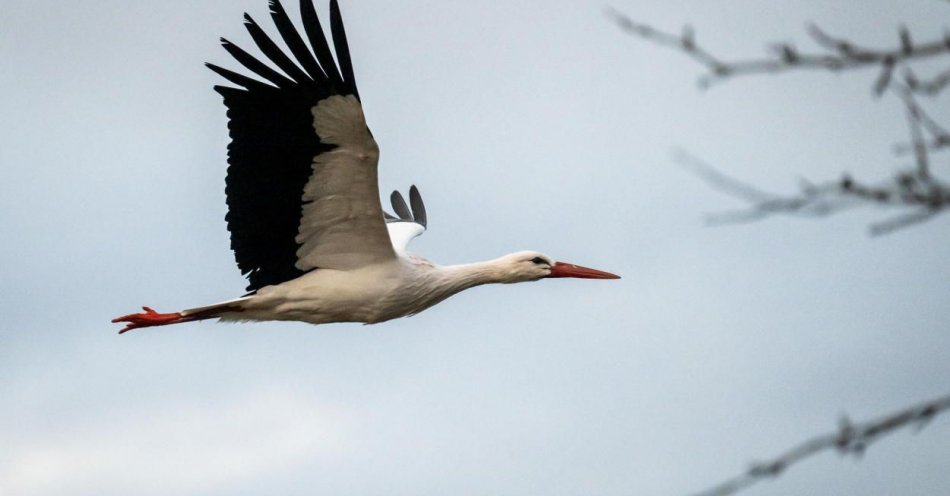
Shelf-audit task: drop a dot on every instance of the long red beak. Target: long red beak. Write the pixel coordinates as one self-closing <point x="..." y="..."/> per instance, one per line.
<point x="561" y="269"/>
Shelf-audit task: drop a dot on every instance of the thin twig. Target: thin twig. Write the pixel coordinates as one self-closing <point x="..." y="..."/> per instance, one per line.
<point x="927" y="87"/>
<point x="849" y="439"/>
<point x="915" y="118"/>
<point x="923" y="193"/>
<point x="919" y="121"/>
<point x="842" y="54"/>
<point x="918" y="189"/>
<point x="900" y="222"/>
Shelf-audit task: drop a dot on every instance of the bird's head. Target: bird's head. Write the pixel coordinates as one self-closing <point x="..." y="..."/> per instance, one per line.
<point x="526" y="266"/>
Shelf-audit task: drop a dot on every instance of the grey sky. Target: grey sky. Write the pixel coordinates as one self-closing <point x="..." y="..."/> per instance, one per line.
<point x="527" y="125"/>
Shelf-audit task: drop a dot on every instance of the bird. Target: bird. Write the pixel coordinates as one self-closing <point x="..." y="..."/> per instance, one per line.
<point x="306" y="221"/>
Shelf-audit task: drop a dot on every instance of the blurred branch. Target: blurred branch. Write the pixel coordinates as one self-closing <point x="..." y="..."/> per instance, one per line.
<point x="931" y="87"/>
<point x="840" y="54"/>
<point x="849" y="439"/>
<point x="912" y="189"/>
<point x="917" y="189"/>
<point x="921" y="120"/>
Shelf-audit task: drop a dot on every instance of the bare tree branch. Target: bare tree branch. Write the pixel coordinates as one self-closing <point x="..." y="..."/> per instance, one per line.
<point x="924" y="194"/>
<point x="920" y="120"/>
<point x="849" y="439"/>
<point x="918" y="190"/>
<point x="897" y="223"/>
<point x="915" y="118"/>
<point x="812" y="200"/>
<point x="841" y="54"/>
<point x="927" y="87"/>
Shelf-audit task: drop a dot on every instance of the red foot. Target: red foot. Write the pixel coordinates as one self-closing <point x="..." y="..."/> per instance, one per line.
<point x="150" y="318"/>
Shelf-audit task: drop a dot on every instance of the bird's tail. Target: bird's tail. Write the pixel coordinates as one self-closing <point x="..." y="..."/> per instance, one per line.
<point x="151" y="318"/>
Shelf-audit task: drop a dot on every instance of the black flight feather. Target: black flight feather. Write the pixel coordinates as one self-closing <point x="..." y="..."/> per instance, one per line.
<point x="293" y="40"/>
<point x="270" y="156"/>
<point x="273" y="143"/>
<point x="418" y="208"/>
<point x="239" y="79"/>
<point x="417" y="214"/>
<point x="400" y="207"/>
<point x="273" y="52"/>
<point x="318" y="41"/>
<point x="342" y="47"/>
<point x="258" y="67"/>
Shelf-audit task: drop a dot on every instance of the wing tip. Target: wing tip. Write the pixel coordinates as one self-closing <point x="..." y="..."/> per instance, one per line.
<point x="342" y="48"/>
<point x="414" y="211"/>
<point x="418" y="206"/>
<point x="399" y="206"/>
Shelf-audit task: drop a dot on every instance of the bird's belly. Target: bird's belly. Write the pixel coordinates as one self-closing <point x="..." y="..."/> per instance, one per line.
<point x="333" y="297"/>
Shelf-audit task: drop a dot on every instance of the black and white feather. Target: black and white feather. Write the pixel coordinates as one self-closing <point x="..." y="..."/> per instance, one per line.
<point x="302" y="178"/>
<point x="306" y="221"/>
<point x="416" y="214"/>
<point x="409" y="220"/>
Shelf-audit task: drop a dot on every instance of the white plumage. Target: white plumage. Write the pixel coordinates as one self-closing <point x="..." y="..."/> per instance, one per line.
<point x="307" y="225"/>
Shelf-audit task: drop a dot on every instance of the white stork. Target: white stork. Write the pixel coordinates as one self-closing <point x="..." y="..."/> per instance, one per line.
<point x="307" y="226"/>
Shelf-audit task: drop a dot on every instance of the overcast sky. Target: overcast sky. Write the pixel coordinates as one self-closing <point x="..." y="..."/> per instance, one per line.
<point x="527" y="125"/>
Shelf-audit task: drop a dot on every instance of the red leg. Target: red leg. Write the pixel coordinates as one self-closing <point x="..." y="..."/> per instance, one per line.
<point x="150" y="318"/>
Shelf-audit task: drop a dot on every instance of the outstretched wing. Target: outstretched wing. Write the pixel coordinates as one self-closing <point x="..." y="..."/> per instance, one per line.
<point x="302" y="178"/>
<point x="408" y="223"/>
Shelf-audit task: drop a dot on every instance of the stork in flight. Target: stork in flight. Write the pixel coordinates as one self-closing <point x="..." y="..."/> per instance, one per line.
<point x="307" y="225"/>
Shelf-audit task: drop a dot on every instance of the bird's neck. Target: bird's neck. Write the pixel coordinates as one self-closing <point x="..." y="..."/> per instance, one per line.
<point x="461" y="277"/>
<point x="444" y="281"/>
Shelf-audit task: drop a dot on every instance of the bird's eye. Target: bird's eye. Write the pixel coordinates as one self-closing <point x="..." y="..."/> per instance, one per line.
<point x="539" y="260"/>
